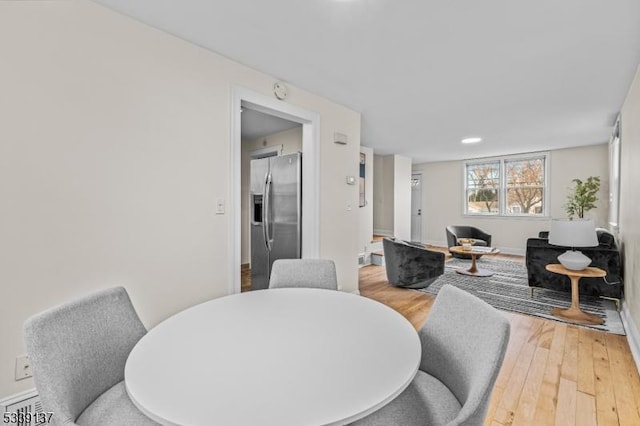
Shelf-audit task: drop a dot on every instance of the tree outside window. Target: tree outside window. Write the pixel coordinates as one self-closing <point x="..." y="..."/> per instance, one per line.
<point x="512" y="186"/>
<point x="483" y="183"/>
<point x="525" y="186"/>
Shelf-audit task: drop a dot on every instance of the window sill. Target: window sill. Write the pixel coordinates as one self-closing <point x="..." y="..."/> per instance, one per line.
<point x="503" y="217"/>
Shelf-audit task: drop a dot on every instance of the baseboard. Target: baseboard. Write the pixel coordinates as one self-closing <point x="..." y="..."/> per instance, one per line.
<point x="383" y="232"/>
<point x="377" y="258"/>
<point x="633" y="336"/>
<point x="512" y="250"/>
<point x="23" y="403"/>
<point x="435" y="243"/>
<point x="364" y="259"/>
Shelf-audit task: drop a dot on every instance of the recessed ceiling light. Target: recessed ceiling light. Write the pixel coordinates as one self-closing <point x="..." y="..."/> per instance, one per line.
<point x="471" y="140"/>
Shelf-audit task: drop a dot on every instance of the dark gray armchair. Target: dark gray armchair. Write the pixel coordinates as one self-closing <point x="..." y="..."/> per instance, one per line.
<point x="479" y="237"/>
<point x="411" y="265"/>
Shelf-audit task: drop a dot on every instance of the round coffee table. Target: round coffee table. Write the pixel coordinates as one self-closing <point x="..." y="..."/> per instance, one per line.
<point x="473" y="271"/>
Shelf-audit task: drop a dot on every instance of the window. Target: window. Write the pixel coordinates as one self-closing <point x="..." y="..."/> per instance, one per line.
<point x="525" y="186"/>
<point x="483" y="187"/>
<point x="509" y="186"/>
<point x="614" y="176"/>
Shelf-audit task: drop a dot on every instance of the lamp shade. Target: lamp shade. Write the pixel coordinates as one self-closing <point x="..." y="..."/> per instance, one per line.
<point x="573" y="233"/>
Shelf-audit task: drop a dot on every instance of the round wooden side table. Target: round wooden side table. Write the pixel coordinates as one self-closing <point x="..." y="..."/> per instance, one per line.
<point x="574" y="313"/>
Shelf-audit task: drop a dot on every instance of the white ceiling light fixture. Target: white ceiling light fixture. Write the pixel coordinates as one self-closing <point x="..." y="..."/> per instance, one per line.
<point x="471" y="140"/>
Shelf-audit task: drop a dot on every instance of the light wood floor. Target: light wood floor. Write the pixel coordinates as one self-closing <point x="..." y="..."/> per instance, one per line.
<point x="553" y="373"/>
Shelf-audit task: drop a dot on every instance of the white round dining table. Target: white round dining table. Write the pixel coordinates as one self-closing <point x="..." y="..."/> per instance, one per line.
<point x="290" y="356"/>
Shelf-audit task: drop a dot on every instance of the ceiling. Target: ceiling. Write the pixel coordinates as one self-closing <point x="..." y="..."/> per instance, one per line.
<point x="255" y="124"/>
<point x="524" y="76"/>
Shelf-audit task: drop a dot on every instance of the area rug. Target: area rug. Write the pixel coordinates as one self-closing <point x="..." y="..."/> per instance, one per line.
<point x="508" y="290"/>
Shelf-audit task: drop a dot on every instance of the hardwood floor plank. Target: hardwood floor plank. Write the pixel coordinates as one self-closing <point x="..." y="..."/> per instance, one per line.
<point x="513" y="390"/>
<point x="567" y="395"/>
<point x="585" y="378"/>
<point x="525" y="411"/>
<point x="625" y="402"/>
<point x="634" y="377"/>
<point x="548" y="399"/>
<point x="606" y="411"/>
<point x="569" y="369"/>
<point x="518" y="336"/>
<point x="546" y="335"/>
<point x="585" y="410"/>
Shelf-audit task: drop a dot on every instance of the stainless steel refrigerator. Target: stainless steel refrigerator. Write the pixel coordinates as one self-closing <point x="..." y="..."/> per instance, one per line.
<point x="276" y="196"/>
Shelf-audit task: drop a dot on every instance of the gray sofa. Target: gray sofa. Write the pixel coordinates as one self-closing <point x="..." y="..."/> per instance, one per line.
<point x="411" y="265"/>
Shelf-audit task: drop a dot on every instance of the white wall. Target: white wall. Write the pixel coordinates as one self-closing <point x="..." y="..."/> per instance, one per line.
<point x="630" y="201"/>
<point x="392" y="196"/>
<point x="402" y="197"/>
<point x="114" y="145"/>
<point x="291" y="142"/>
<point x="383" y="195"/>
<point x="365" y="214"/>
<point x="442" y="199"/>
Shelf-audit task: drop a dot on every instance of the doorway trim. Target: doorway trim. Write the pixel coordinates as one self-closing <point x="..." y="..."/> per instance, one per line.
<point x="416" y="175"/>
<point x="310" y="120"/>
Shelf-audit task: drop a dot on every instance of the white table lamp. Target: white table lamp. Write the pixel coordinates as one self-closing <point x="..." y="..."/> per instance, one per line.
<point x="573" y="233"/>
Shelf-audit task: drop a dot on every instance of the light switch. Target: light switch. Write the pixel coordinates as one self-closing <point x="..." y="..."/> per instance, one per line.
<point x="219" y="205"/>
<point x="351" y="180"/>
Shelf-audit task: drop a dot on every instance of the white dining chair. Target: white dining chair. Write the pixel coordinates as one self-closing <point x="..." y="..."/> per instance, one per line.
<point x="463" y="345"/>
<point x="312" y="273"/>
<point x="78" y="351"/>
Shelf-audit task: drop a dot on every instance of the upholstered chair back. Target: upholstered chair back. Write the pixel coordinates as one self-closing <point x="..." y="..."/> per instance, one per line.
<point x="313" y="273"/>
<point x="464" y="341"/>
<point x="78" y="350"/>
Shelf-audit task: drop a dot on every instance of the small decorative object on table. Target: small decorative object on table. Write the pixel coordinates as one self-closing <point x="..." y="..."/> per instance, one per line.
<point x="465" y="243"/>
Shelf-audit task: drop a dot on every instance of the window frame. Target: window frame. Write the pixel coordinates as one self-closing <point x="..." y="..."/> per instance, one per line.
<point x="503" y="188"/>
<point x="614" y="176"/>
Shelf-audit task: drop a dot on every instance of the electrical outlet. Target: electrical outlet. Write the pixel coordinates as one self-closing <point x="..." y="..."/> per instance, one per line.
<point x="23" y="367"/>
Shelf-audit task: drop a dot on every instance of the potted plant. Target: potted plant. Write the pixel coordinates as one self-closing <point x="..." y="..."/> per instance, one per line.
<point x="583" y="197"/>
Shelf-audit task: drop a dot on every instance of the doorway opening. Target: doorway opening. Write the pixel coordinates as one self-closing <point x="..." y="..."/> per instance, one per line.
<point x="245" y="101"/>
<point x="262" y="136"/>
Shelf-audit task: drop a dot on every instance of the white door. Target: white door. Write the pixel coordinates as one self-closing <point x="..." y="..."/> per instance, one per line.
<point x="416" y="207"/>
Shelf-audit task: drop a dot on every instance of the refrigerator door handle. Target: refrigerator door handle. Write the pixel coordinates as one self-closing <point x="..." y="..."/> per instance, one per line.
<point x="265" y="210"/>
